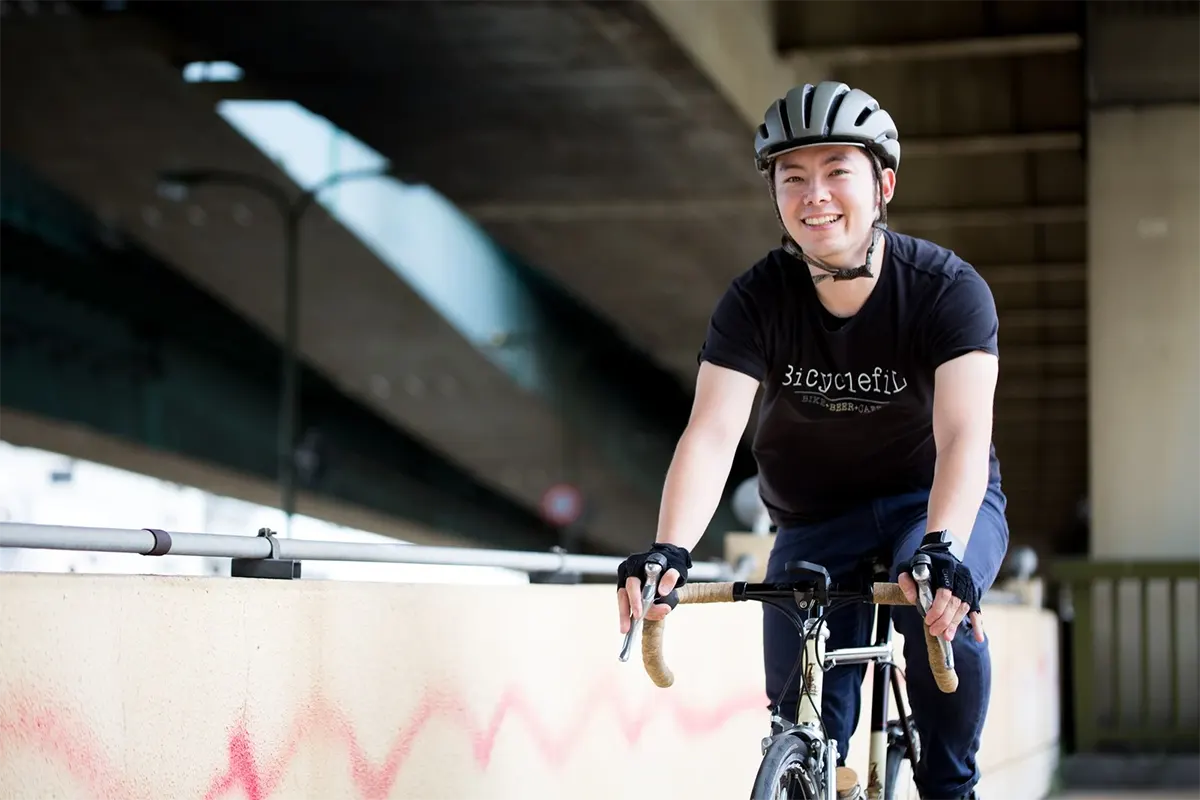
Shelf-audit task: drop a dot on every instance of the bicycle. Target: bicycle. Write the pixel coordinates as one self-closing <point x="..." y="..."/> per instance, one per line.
<point x="800" y="759"/>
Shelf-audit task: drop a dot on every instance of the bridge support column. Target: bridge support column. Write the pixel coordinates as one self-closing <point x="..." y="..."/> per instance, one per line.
<point x="1144" y="330"/>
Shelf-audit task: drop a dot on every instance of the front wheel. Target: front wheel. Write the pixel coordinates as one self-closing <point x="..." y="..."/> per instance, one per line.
<point x="785" y="772"/>
<point x="897" y="754"/>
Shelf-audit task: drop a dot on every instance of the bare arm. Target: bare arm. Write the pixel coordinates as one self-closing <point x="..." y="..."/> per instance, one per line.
<point x="964" y="390"/>
<point x="697" y="475"/>
<point x="704" y="455"/>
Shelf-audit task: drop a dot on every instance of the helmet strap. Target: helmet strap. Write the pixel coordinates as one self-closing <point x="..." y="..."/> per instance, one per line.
<point x="834" y="273"/>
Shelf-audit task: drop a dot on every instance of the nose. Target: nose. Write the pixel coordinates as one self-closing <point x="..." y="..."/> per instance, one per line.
<point x="815" y="192"/>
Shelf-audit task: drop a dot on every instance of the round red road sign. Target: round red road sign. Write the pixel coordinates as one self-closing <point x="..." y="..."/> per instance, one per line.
<point x="562" y="504"/>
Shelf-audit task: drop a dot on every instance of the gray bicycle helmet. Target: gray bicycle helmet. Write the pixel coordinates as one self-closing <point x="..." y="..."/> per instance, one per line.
<point x="828" y="113"/>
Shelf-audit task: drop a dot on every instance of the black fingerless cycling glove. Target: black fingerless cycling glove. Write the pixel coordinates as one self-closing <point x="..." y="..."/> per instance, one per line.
<point x="678" y="559"/>
<point x="946" y="571"/>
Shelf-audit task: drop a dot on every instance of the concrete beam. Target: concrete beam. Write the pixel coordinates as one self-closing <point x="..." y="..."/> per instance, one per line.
<point x="733" y="42"/>
<point x="631" y="210"/>
<point x="25" y="429"/>
<point x="1043" y="318"/>
<point x="1023" y="389"/>
<point x="945" y="50"/>
<point x="146" y="375"/>
<point x="987" y="217"/>
<point x="1039" y="416"/>
<point x="1038" y="356"/>
<point x="996" y="144"/>
<point x="1018" y="274"/>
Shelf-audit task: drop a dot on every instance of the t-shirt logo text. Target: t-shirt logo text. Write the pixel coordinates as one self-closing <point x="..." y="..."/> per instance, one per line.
<point x="862" y="392"/>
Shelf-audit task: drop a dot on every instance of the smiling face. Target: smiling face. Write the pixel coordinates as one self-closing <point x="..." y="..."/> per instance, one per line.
<point x="828" y="199"/>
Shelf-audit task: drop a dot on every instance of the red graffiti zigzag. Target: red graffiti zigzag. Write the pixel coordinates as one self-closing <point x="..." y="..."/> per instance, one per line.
<point x="35" y="721"/>
<point x="321" y="718"/>
<point x="29" y="722"/>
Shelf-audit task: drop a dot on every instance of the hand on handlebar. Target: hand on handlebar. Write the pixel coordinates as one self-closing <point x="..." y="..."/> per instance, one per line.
<point x="955" y="594"/>
<point x="946" y="612"/>
<point x="629" y="584"/>
<point x="633" y="590"/>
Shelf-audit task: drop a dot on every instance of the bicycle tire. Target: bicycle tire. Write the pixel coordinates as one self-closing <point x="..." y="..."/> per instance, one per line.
<point x="786" y="755"/>
<point x="897" y="754"/>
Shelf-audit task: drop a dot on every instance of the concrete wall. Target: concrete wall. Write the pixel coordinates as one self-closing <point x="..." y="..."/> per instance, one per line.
<point x="185" y="687"/>
<point x="1144" y="319"/>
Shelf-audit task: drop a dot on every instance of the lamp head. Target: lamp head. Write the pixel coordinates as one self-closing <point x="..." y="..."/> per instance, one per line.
<point x="175" y="185"/>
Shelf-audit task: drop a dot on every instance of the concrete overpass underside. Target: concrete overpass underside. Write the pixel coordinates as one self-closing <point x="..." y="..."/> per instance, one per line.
<point x="107" y="111"/>
<point x="608" y="144"/>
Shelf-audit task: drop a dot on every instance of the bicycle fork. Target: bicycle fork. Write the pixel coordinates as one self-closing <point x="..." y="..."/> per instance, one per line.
<point x="808" y="723"/>
<point x="882" y="737"/>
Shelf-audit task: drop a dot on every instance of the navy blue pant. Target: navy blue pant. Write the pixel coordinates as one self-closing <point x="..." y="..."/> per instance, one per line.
<point x="949" y="724"/>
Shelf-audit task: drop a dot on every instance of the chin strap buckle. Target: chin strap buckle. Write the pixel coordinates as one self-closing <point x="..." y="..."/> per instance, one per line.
<point x="848" y="274"/>
<point x="843" y="274"/>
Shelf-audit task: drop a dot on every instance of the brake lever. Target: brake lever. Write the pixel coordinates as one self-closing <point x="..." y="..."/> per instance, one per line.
<point x="655" y="564"/>
<point x="920" y="573"/>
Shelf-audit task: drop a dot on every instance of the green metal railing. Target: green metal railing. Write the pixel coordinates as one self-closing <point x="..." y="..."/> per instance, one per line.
<point x="1134" y="633"/>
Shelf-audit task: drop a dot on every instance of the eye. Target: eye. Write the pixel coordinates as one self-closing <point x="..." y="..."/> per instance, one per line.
<point x="840" y="172"/>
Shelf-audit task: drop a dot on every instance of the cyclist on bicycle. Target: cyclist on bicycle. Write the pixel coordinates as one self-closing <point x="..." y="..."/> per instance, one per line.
<point x="877" y="354"/>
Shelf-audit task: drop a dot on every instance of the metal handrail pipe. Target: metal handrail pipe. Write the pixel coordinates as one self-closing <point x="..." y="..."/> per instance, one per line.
<point x="122" y="540"/>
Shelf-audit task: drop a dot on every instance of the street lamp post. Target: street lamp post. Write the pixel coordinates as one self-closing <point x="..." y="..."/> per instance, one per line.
<point x="175" y="185"/>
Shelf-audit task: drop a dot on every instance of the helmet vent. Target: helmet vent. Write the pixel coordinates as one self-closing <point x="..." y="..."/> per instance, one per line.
<point x="808" y="106"/>
<point x="830" y="112"/>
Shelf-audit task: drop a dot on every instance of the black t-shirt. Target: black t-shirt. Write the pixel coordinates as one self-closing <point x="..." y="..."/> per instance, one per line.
<point x="847" y="405"/>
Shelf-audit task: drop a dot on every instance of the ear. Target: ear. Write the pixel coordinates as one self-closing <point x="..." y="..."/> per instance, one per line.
<point x="887" y="179"/>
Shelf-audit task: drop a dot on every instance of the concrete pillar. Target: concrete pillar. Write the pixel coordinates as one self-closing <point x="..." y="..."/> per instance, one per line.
<point x="1144" y="329"/>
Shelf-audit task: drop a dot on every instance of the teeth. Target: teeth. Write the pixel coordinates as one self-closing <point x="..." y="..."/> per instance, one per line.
<point x="822" y="220"/>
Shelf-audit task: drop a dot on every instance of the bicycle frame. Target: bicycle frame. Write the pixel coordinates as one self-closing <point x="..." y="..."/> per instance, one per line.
<point x="803" y="597"/>
<point x="808" y="723"/>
